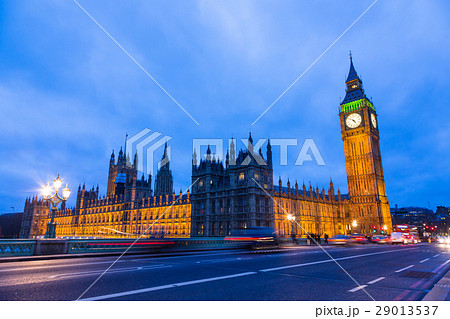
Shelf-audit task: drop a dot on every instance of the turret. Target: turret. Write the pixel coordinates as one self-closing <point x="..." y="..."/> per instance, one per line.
<point x="135" y="161"/>
<point x="208" y="154"/>
<point x="232" y="152"/>
<point x="194" y="159"/>
<point x="331" y="191"/>
<point x="269" y="154"/>
<point x="120" y="158"/>
<point x="227" y="160"/>
<point x="250" y="143"/>
<point x="112" y="160"/>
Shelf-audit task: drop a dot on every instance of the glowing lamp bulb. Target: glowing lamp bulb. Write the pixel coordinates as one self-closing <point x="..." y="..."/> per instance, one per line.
<point x="66" y="192"/>
<point x="354" y="223"/>
<point x="46" y="191"/>
<point x="57" y="183"/>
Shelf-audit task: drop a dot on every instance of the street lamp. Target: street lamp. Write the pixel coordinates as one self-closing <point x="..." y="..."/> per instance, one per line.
<point x="54" y="199"/>
<point x="292" y="219"/>
<point x="354" y="224"/>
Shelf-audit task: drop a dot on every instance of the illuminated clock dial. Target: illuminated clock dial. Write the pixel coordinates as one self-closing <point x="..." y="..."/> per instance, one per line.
<point x="353" y="120"/>
<point x="374" y="120"/>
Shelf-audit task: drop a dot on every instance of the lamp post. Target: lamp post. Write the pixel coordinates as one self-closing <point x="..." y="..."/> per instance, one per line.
<point x="54" y="199"/>
<point x="354" y="224"/>
<point x="291" y="218"/>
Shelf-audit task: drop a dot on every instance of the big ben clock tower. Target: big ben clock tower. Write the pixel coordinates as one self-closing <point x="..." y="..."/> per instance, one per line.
<point x="366" y="187"/>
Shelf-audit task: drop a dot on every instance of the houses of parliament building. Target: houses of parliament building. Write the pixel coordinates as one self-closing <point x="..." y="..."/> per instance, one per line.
<point x="234" y="194"/>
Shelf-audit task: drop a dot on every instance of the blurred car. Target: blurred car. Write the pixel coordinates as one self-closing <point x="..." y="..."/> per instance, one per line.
<point x="338" y="240"/>
<point x="358" y="239"/>
<point x="444" y="240"/>
<point x="381" y="239"/>
<point x="415" y="239"/>
<point x="254" y="237"/>
<point x="410" y="239"/>
<point x="400" y="238"/>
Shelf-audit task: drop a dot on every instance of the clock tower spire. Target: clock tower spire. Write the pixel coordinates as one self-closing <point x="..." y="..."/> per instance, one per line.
<point x="366" y="186"/>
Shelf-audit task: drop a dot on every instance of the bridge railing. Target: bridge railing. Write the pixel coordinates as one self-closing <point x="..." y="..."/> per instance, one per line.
<point x="76" y="246"/>
<point x="56" y="246"/>
<point x="17" y="247"/>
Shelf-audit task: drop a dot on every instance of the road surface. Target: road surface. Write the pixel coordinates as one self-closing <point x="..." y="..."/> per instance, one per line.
<point x="381" y="272"/>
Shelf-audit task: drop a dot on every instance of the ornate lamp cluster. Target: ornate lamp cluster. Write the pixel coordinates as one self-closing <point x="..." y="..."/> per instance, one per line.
<point x="51" y="195"/>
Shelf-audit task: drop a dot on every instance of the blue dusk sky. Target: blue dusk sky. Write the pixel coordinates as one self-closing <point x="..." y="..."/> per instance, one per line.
<point x="69" y="94"/>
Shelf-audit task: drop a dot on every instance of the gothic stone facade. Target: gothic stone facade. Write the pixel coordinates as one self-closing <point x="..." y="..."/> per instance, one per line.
<point x="236" y="194"/>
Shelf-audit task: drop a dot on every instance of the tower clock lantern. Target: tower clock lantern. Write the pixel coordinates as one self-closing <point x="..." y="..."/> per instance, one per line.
<point x="366" y="186"/>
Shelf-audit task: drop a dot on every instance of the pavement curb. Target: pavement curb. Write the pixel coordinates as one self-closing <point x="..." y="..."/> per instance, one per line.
<point x="441" y="290"/>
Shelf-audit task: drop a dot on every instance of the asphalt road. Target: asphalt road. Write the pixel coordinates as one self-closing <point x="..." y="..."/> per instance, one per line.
<point x="381" y="272"/>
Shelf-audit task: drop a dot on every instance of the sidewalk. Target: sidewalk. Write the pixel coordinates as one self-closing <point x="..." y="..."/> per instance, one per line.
<point x="441" y="290"/>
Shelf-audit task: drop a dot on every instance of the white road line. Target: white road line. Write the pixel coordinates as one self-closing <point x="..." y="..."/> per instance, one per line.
<point x="422" y="261"/>
<point x="400" y="270"/>
<point x="376" y="280"/>
<point x="442" y="265"/>
<point x="358" y="288"/>
<point x="113" y="271"/>
<point x="436" y="255"/>
<point x="180" y="284"/>
<point x="331" y="260"/>
<point x="210" y="261"/>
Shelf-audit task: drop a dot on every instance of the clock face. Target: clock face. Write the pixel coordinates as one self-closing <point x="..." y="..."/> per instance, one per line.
<point x="374" y="120"/>
<point x="353" y="120"/>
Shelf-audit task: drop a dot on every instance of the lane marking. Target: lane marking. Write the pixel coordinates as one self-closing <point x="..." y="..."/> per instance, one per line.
<point x="436" y="255"/>
<point x="442" y="265"/>
<point x="113" y="271"/>
<point x="180" y="284"/>
<point x="358" y="288"/>
<point x="210" y="261"/>
<point x="400" y="270"/>
<point x="422" y="261"/>
<point x="331" y="260"/>
<point x="376" y="280"/>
